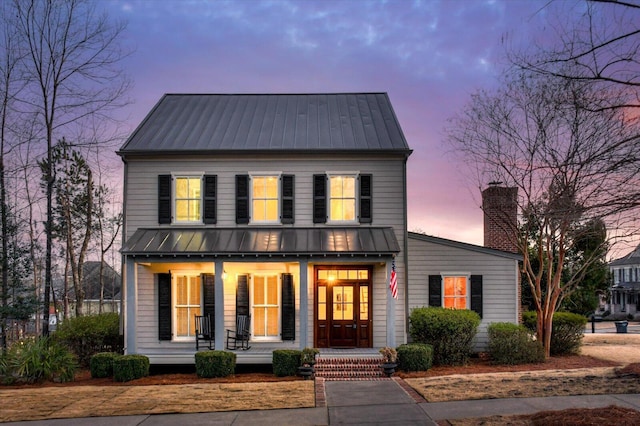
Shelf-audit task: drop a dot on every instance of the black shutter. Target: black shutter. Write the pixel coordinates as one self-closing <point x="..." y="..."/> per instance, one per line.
<point x="288" y="210"/>
<point x="210" y="196"/>
<point x="435" y="290"/>
<point x="288" y="308"/>
<point x="242" y="199"/>
<point x="476" y="294"/>
<point x="164" y="306"/>
<point x="242" y="295"/>
<point x="164" y="198"/>
<point x="365" y="199"/>
<point x="319" y="198"/>
<point x="208" y="296"/>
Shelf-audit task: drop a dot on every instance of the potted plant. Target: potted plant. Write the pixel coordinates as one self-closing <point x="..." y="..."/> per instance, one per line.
<point x="389" y="357"/>
<point x="307" y="361"/>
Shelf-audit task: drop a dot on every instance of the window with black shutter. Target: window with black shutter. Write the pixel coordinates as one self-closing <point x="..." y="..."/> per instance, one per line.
<point x="435" y="290"/>
<point x="476" y="294"/>
<point x="164" y="306"/>
<point x="288" y="192"/>
<point x="319" y="198"/>
<point x="242" y="199"/>
<point x="366" y="206"/>
<point x="164" y="199"/>
<point x="210" y="199"/>
<point x="288" y="311"/>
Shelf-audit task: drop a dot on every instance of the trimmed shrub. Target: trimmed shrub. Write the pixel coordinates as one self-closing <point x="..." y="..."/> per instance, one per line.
<point x="215" y="364"/>
<point x="513" y="344"/>
<point x="567" y="330"/>
<point x="88" y="335"/>
<point x="415" y="357"/>
<point x="130" y="367"/>
<point x="101" y="364"/>
<point x="449" y="331"/>
<point x="286" y="362"/>
<point x="35" y="360"/>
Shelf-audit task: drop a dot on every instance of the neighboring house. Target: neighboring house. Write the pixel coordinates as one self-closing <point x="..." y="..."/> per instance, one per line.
<point x="624" y="297"/>
<point x="485" y="279"/>
<point x="288" y="208"/>
<point x="110" y="288"/>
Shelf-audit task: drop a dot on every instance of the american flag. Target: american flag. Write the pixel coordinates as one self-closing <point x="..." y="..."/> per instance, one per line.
<point x="393" y="281"/>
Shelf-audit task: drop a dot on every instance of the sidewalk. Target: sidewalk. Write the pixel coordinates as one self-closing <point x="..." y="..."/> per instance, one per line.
<point x="382" y="402"/>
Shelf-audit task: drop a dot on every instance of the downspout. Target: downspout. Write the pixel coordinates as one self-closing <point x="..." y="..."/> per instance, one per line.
<point x="406" y="252"/>
<point x="123" y="260"/>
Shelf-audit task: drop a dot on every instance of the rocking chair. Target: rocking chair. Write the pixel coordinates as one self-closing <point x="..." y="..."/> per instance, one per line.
<point x="204" y="331"/>
<point x="239" y="338"/>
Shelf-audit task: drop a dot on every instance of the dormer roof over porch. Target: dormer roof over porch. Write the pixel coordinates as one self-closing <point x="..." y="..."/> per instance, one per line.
<point x="184" y="124"/>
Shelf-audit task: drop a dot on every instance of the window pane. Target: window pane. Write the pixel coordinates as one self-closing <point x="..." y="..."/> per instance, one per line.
<point x="349" y="209"/>
<point x="343" y="274"/>
<point x="322" y="311"/>
<point x="336" y="209"/>
<point x="181" y="291"/>
<point x="182" y="317"/>
<point x="182" y="188"/>
<point x="271" y="210"/>
<point x="449" y="302"/>
<point x="336" y="187"/>
<point x="461" y="303"/>
<point x="272" y="321"/>
<point x="194" y="296"/>
<point x="258" y="187"/>
<point x="449" y="287"/>
<point x="258" y="323"/>
<point x="194" y="211"/>
<point x="272" y="187"/>
<point x="349" y="187"/>
<point x="272" y="290"/>
<point x="194" y="188"/>
<point x="363" y="275"/>
<point x="182" y="210"/>
<point x="258" y="291"/>
<point x="364" y="303"/>
<point x="322" y="294"/>
<point x="259" y="213"/>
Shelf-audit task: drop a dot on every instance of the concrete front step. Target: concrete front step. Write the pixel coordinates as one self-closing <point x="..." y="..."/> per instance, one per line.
<point x="349" y="368"/>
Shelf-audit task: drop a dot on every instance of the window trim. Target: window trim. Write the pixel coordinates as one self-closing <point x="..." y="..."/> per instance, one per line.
<point x="174" y="318"/>
<point x="174" y="180"/>
<point x="356" y="197"/>
<point x="278" y="336"/>
<point x="278" y="176"/>
<point x="467" y="277"/>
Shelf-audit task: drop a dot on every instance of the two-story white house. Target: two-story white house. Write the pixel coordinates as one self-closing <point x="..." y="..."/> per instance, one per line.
<point x="289" y="209"/>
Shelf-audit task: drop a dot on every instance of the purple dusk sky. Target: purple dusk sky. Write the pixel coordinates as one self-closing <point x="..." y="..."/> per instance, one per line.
<point x="429" y="56"/>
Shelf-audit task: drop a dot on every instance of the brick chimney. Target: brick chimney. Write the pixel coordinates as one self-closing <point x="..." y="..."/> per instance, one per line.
<point x="500" y="207"/>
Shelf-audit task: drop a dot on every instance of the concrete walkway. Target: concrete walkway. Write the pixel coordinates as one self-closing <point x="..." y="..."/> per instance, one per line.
<point x="381" y="402"/>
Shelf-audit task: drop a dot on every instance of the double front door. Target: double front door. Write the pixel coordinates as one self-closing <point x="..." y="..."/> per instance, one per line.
<point x="343" y="307"/>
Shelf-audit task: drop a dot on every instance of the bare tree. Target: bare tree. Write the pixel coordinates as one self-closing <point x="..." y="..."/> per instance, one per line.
<point x="73" y="57"/>
<point x="571" y="157"/>
<point x="602" y="47"/>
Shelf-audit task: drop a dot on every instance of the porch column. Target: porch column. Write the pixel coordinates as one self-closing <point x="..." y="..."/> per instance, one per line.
<point x="218" y="288"/>
<point x="131" y="285"/>
<point x="391" y="310"/>
<point x="304" y="304"/>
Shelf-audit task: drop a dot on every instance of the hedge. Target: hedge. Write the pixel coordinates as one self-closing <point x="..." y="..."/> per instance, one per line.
<point x="215" y="364"/>
<point x="566" y="332"/>
<point x="512" y="344"/>
<point x="415" y="357"/>
<point x="286" y="362"/>
<point x="130" y="367"/>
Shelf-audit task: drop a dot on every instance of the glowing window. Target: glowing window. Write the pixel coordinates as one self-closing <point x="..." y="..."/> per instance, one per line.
<point x="342" y="198"/>
<point x="265" y="199"/>
<point x="455" y="292"/>
<point x="266" y="308"/>
<point x="187" y="297"/>
<point x="187" y="199"/>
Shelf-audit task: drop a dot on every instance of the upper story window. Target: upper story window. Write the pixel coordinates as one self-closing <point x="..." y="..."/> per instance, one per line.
<point x="187" y="199"/>
<point x="265" y="197"/>
<point x="342" y="198"/>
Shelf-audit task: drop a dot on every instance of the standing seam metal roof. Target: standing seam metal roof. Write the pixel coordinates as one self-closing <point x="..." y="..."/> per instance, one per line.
<point x="268" y="122"/>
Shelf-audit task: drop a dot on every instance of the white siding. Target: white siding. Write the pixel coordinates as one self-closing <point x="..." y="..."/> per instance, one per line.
<point x="499" y="280"/>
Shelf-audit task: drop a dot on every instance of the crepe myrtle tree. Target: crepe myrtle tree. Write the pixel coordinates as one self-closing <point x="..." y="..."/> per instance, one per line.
<point x="572" y="160"/>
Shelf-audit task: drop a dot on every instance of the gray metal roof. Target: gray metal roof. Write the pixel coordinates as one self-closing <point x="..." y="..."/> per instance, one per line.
<point x="464" y="246"/>
<point x="632" y="258"/>
<point x="262" y="241"/>
<point x="188" y="123"/>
